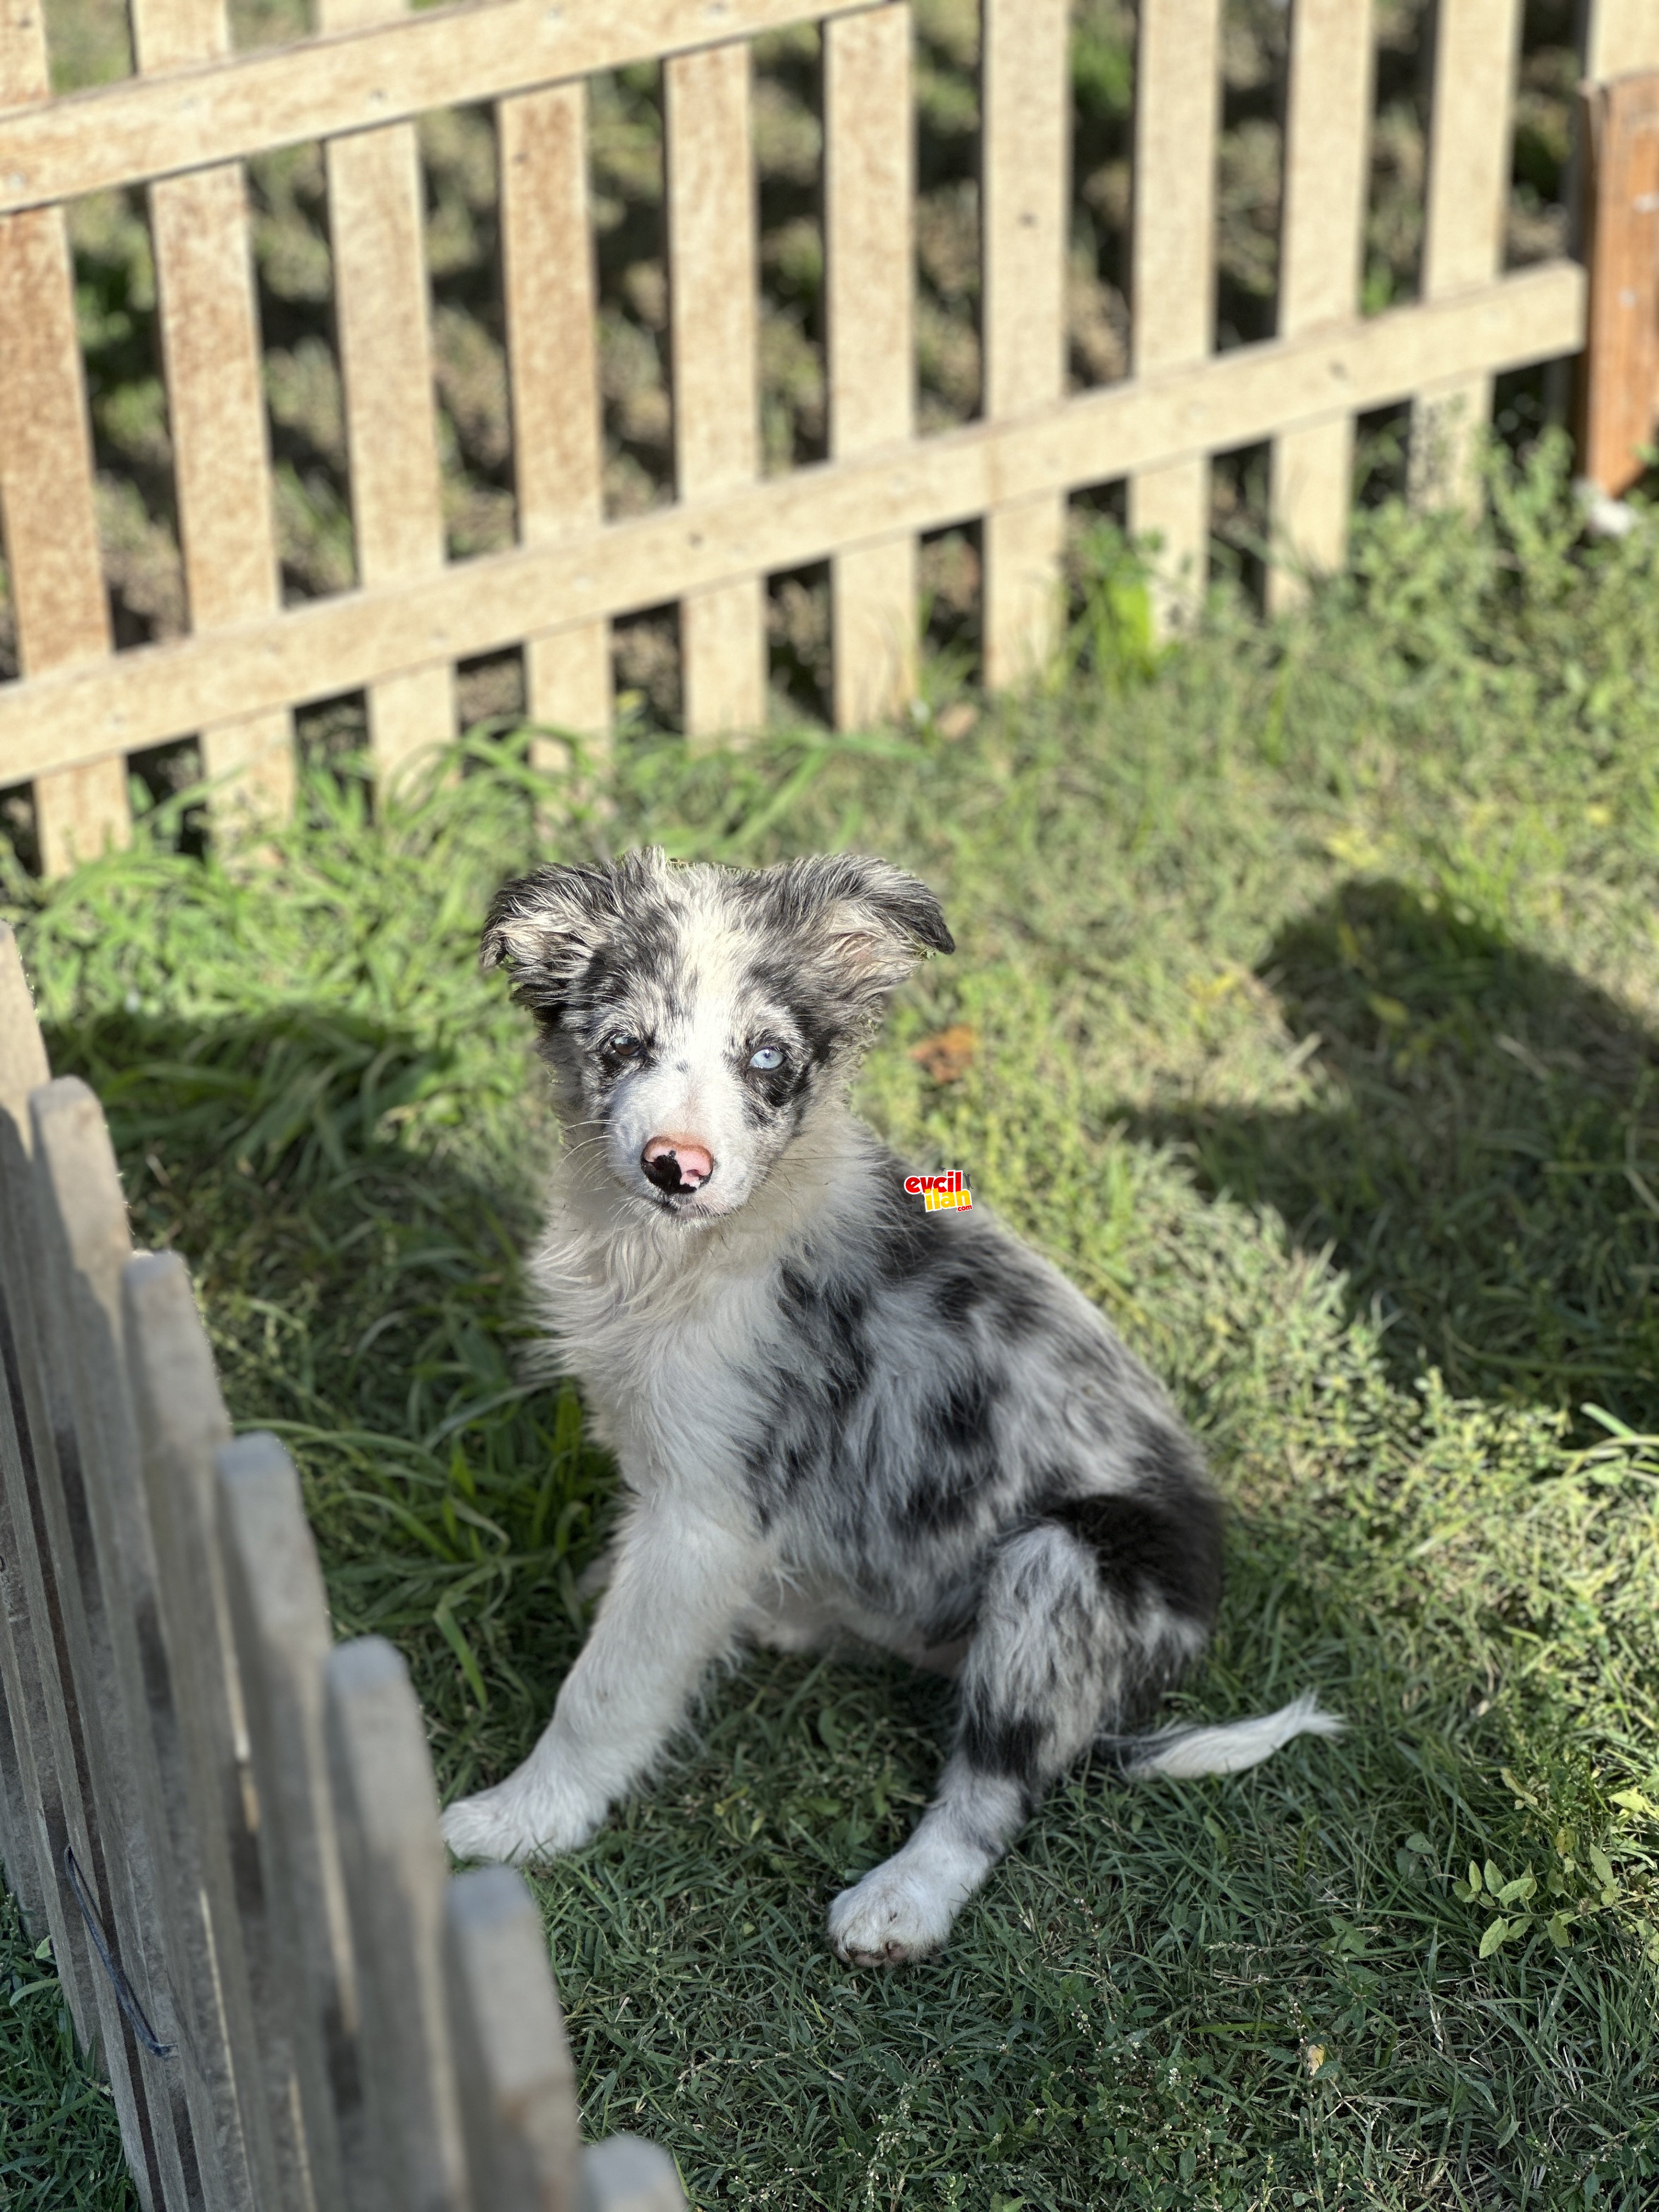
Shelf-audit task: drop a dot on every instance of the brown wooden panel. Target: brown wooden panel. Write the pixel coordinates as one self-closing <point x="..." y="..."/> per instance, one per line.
<point x="1241" y="397"/>
<point x="1172" y="254"/>
<point x="1026" y="163"/>
<point x="713" y="299"/>
<point x="547" y="253"/>
<point x="1321" y="240"/>
<point x="1618" y="385"/>
<point x="869" y="238"/>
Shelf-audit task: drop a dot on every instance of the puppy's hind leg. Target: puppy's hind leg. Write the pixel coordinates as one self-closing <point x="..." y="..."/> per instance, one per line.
<point x="1054" y="1651"/>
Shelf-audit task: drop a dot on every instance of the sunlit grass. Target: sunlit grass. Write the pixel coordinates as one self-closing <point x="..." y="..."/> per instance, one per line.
<point x="1311" y="972"/>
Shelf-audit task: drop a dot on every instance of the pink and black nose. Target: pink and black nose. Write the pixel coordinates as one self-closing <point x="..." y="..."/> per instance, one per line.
<point x="678" y="1165"/>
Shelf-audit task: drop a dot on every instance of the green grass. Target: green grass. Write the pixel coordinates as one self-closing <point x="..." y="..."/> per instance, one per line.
<point x="1313" y="973"/>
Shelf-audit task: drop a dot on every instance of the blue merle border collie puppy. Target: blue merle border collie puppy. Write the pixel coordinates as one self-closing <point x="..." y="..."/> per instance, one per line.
<point x="838" y="1417"/>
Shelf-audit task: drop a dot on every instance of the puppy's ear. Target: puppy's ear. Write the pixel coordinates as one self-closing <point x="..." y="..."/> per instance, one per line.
<point x="865" y="921"/>
<point x="548" y="925"/>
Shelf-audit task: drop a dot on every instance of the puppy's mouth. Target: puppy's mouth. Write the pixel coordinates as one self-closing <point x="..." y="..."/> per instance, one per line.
<point x="690" y="1207"/>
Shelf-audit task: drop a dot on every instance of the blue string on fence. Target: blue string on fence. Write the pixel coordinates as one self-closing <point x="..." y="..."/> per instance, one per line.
<point x="132" y="2010"/>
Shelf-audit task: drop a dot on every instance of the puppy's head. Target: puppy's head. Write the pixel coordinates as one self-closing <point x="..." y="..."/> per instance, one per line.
<point x="694" y="1016"/>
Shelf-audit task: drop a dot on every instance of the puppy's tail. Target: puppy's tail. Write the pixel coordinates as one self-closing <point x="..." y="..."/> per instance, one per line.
<point x="1183" y="1751"/>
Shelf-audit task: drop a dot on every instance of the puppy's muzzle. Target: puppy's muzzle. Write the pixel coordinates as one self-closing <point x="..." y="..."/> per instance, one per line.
<point x="677" y="1165"/>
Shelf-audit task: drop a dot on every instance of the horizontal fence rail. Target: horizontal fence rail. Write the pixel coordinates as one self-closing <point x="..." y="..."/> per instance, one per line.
<point x="184" y="125"/>
<point x="226" y="1823"/>
<point x="333" y="645"/>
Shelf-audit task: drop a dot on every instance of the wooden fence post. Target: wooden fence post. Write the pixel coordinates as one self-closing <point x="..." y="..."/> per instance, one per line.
<point x="135" y="1750"/>
<point x="60" y="1737"/>
<point x="1026" y="168"/>
<point x="279" y="1621"/>
<point x="46" y="477"/>
<point x="1619" y="383"/>
<point x="182" y="1423"/>
<point x="518" y="2087"/>
<point x="712" y="284"/>
<point x="376" y="209"/>
<point x="869" y="133"/>
<point x="392" y="1856"/>
<point x="216" y="409"/>
<point x="1321" y="241"/>
<point x="547" y="277"/>
<point x="1172" y="283"/>
<point x="1475" y="50"/>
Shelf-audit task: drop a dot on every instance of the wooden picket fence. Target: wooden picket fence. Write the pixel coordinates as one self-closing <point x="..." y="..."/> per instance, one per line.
<point x="228" y="1823"/>
<point x="187" y="123"/>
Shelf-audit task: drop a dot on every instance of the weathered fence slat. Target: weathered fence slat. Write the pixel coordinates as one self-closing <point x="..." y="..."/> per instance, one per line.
<point x="1619" y="401"/>
<point x="386" y="1808"/>
<point x="390" y="69"/>
<point x="182" y="1423"/>
<point x="116" y="1649"/>
<point x="478" y="605"/>
<point x="216" y="409"/>
<point x="139" y="1777"/>
<point x="1476" y="50"/>
<point x="518" y="2087"/>
<point x="46" y="477"/>
<point x="279" y="1621"/>
<point x="714" y="282"/>
<point x="1027" y="93"/>
<point x="1621" y="35"/>
<point x="22" y="1069"/>
<point x="1321" y="240"/>
<point x="1172" y="281"/>
<point x="376" y="215"/>
<point x="51" y="1737"/>
<point x="548" y="276"/>
<point x="869" y="251"/>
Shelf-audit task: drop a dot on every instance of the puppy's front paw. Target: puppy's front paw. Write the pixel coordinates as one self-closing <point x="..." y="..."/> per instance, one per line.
<point x="518" y="1821"/>
<point x="894" y="1915"/>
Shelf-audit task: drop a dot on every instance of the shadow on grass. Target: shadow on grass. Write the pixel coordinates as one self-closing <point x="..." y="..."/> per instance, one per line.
<point x="1487" y="1169"/>
<point x="355" y="1238"/>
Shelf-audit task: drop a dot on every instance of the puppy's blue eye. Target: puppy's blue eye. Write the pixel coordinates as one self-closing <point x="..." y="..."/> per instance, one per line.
<point x="769" y="1056"/>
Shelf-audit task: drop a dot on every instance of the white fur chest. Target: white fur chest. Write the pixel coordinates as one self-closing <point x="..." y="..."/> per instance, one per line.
<point x="661" y="1343"/>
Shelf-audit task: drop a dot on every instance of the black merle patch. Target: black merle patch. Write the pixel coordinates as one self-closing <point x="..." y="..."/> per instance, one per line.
<point x="1145" y="1548"/>
<point x="1005" y="1743"/>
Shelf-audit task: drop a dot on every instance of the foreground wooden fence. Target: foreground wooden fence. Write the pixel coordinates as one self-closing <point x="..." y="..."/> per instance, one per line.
<point x="191" y="118"/>
<point x="227" y="1824"/>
